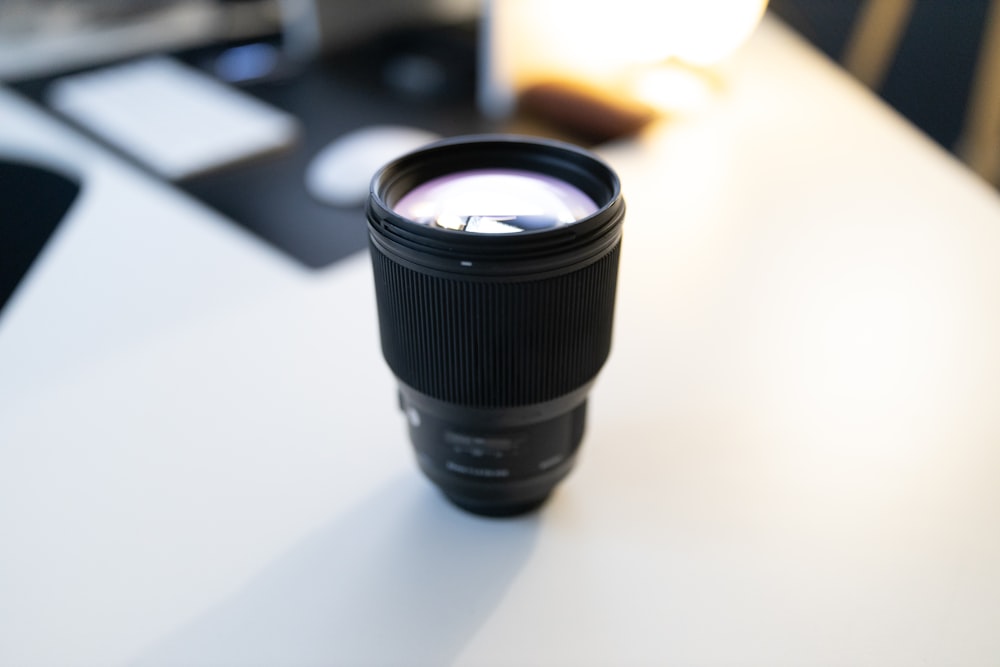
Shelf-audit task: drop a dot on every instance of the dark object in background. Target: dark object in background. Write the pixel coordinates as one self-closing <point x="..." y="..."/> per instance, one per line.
<point x="496" y="338"/>
<point x="593" y="117"/>
<point x="33" y="200"/>
<point x="932" y="74"/>
<point x="930" y="78"/>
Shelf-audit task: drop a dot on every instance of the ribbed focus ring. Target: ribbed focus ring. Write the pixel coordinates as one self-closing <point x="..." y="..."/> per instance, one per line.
<point x="495" y="344"/>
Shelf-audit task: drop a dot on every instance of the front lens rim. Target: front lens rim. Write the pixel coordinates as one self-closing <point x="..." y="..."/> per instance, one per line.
<point x="542" y="250"/>
<point x="445" y="156"/>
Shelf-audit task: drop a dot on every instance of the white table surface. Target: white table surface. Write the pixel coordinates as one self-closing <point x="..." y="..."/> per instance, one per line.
<point x="793" y="454"/>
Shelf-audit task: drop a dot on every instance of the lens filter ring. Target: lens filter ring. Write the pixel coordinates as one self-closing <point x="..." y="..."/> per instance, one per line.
<point x="533" y="251"/>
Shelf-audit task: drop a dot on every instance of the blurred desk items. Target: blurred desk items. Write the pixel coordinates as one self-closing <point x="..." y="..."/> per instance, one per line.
<point x="173" y="119"/>
<point x="252" y="115"/>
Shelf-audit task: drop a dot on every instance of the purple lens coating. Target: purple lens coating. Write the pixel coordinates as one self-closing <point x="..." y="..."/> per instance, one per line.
<point x="495" y="201"/>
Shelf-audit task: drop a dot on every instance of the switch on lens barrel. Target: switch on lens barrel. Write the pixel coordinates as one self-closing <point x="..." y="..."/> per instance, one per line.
<point x="495" y="261"/>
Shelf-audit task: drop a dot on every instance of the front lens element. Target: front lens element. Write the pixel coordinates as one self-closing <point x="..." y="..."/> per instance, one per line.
<point x="495" y="201"/>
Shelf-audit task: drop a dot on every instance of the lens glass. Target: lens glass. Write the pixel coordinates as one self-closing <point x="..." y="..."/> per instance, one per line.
<point x="495" y="201"/>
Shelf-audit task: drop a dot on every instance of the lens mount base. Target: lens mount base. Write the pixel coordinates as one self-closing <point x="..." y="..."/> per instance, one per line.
<point x="499" y="462"/>
<point x="492" y="509"/>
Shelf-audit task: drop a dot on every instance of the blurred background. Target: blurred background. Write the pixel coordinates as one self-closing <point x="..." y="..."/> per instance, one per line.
<point x="936" y="61"/>
<point x="311" y="72"/>
<point x="921" y="56"/>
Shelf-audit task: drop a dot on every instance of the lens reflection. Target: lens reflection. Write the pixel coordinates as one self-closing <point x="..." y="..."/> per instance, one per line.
<point x="495" y="201"/>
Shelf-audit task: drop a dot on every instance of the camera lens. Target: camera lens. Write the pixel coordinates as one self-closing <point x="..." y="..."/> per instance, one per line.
<point x="495" y="261"/>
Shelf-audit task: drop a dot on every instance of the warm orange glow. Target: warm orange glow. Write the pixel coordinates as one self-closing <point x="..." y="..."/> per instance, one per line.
<point x="672" y="87"/>
<point x="646" y="50"/>
<point x="596" y="41"/>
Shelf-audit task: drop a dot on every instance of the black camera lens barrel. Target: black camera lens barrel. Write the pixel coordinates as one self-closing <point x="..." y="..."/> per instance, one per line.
<point x="495" y="339"/>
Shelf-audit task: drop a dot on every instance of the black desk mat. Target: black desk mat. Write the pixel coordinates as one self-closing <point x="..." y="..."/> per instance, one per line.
<point x="33" y="200"/>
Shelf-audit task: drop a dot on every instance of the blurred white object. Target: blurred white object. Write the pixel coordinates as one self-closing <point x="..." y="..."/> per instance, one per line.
<point x="172" y="118"/>
<point x="340" y="173"/>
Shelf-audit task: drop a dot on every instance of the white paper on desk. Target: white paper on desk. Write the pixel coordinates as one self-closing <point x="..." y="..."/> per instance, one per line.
<point x="170" y="117"/>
